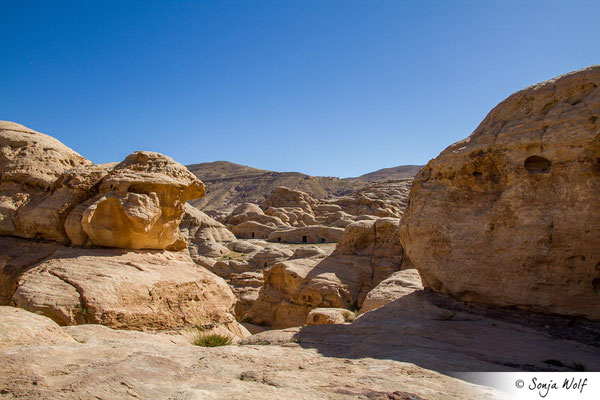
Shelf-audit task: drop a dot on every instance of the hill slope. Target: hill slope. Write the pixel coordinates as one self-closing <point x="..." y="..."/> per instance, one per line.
<point x="230" y="184"/>
<point x="394" y="173"/>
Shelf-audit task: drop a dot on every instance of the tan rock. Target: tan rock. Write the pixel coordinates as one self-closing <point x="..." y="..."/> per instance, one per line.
<point x="244" y="247"/>
<point x="280" y="282"/>
<point x="16" y="257"/>
<point x="510" y="215"/>
<point x="284" y="197"/>
<point x="261" y="218"/>
<point x="308" y="252"/>
<point x="380" y="199"/>
<point x="246" y="208"/>
<point x="122" y="289"/>
<point x="252" y="230"/>
<point x="205" y="236"/>
<point x="32" y="158"/>
<point x="140" y="204"/>
<point x="106" y="363"/>
<point x="397" y="285"/>
<point x="20" y="328"/>
<point x="368" y="252"/>
<point x="200" y="227"/>
<point x="307" y="234"/>
<point x="245" y="286"/>
<point x="293" y="216"/>
<point x="270" y="255"/>
<point x="224" y="268"/>
<point x="322" y="316"/>
<point x="32" y="204"/>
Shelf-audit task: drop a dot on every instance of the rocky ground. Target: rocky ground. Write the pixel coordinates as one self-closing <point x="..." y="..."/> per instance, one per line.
<point x="95" y="362"/>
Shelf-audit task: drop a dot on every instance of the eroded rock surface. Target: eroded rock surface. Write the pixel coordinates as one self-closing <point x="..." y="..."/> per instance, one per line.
<point x="137" y="290"/>
<point x="205" y="236"/>
<point x="395" y="286"/>
<point x="48" y="191"/>
<point x="439" y="332"/>
<point x="368" y="252"/>
<point x="30" y="163"/>
<point x="19" y="328"/>
<point x="139" y="206"/>
<point x="511" y="215"/>
<point x="103" y="363"/>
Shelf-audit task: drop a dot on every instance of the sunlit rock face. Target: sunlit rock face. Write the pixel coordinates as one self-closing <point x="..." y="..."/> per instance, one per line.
<point x="139" y="205"/>
<point x="48" y="191"/>
<point x="34" y="198"/>
<point x="511" y="214"/>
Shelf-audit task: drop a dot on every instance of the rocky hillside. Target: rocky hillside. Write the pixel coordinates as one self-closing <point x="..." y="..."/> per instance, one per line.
<point x="387" y="174"/>
<point x="229" y="184"/>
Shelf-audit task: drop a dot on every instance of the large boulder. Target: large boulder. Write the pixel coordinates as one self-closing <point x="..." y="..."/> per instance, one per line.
<point x="394" y="287"/>
<point x="139" y="206"/>
<point x="33" y="158"/>
<point x="511" y="215"/>
<point x="123" y="289"/>
<point x="323" y="316"/>
<point x="34" y="200"/>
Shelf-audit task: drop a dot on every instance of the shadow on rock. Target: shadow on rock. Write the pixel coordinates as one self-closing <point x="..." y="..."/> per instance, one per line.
<point x="441" y="333"/>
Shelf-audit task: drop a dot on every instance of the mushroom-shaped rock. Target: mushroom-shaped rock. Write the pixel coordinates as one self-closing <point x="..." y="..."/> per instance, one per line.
<point x="139" y="206"/>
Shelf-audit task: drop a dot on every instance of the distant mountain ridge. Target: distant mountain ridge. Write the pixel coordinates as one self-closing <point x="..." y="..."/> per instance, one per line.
<point x="394" y="173"/>
<point x="229" y="184"/>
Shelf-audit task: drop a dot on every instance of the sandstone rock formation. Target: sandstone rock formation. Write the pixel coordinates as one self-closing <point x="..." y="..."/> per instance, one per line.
<point x="322" y="316"/>
<point x="125" y="290"/>
<point x="139" y="205"/>
<point x="368" y="252"/>
<point x="381" y="199"/>
<point x="292" y="216"/>
<point x="20" y="328"/>
<point x="307" y="234"/>
<point x="511" y="215"/>
<point x="98" y="362"/>
<point x="30" y="162"/>
<point x="284" y="197"/>
<point x="204" y="235"/>
<point x="47" y="191"/>
<point x="252" y="230"/>
<point x="395" y="286"/>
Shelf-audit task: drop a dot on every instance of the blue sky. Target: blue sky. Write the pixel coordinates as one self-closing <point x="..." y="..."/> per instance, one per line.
<point x="335" y="88"/>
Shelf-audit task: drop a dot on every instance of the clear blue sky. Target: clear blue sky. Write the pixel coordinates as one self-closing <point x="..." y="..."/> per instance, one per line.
<point x="334" y="88"/>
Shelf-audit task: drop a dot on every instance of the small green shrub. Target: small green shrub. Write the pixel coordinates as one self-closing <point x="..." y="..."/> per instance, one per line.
<point x="211" y="340"/>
